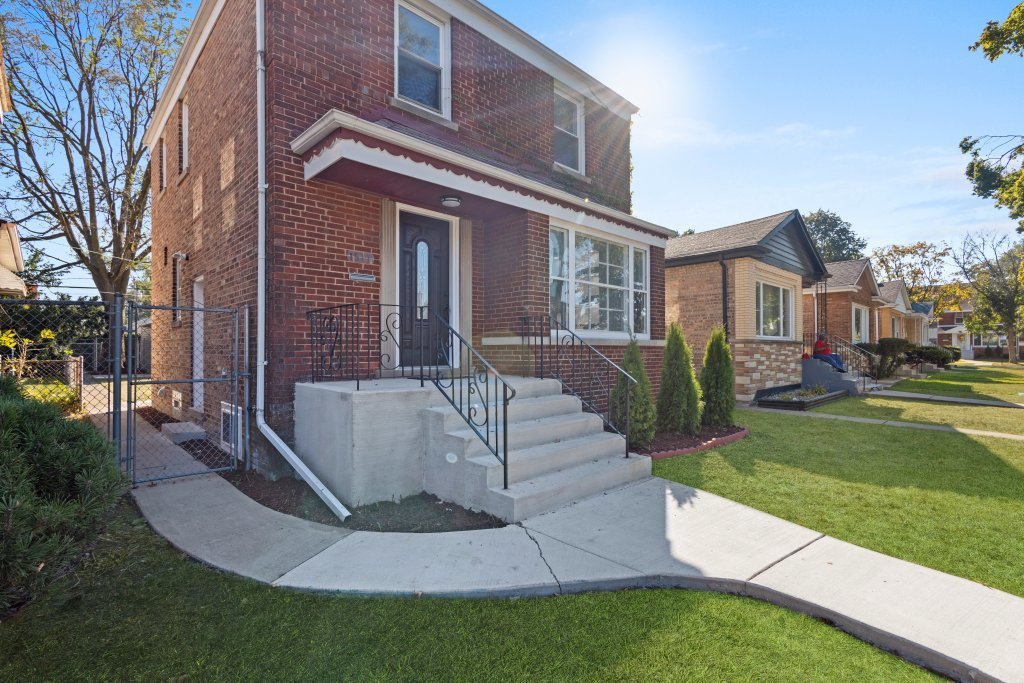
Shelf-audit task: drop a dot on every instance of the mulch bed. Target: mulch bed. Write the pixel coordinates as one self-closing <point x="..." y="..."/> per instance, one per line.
<point x="421" y="513"/>
<point x="666" y="445"/>
<point x="155" y="417"/>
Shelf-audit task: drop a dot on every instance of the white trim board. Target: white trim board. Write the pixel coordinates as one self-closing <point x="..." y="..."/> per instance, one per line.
<point x="354" y="150"/>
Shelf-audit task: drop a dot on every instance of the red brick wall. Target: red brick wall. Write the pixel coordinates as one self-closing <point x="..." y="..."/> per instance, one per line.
<point x="510" y="272"/>
<point x="208" y="213"/>
<point x="838" y="309"/>
<point x="326" y="54"/>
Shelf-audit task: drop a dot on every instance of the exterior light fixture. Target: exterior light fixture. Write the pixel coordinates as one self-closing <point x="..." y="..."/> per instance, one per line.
<point x="450" y="201"/>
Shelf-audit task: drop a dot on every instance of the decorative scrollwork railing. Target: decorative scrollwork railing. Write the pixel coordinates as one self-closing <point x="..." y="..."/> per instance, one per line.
<point x="364" y="341"/>
<point x="583" y="371"/>
<point x="855" y="358"/>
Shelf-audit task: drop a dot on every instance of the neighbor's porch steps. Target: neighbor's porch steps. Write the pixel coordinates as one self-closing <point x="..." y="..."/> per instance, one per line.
<point x="558" y="454"/>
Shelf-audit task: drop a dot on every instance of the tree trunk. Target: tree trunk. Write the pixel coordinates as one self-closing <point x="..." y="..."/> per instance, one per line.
<point x="1013" y="346"/>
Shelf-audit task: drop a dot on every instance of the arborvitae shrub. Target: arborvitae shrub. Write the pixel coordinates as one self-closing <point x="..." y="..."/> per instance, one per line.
<point x="716" y="379"/>
<point x="679" y="396"/>
<point x="641" y="402"/>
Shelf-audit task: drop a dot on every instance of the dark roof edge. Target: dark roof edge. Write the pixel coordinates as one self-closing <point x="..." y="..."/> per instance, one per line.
<point x="736" y="252"/>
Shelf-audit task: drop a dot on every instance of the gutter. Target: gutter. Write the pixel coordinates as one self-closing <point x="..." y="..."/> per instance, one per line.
<point x="266" y="430"/>
<point x="725" y="296"/>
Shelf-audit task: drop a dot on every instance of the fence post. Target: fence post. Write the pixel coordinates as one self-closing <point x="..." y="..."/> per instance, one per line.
<point x="116" y="332"/>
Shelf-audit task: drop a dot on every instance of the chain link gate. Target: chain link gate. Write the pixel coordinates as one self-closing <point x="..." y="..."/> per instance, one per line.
<point x="186" y="410"/>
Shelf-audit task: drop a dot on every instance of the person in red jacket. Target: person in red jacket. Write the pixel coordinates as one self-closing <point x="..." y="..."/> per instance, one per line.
<point x="822" y="351"/>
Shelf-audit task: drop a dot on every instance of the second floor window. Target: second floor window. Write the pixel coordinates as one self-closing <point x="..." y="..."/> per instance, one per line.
<point x="421" y="55"/>
<point x="568" y="131"/>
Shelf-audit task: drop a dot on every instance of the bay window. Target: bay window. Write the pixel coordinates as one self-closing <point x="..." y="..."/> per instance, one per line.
<point x="774" y="308"/>
<point x="597" y="285"/>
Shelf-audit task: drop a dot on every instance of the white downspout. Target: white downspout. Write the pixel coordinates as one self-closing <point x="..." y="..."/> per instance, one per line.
<point x="261" y="269"/>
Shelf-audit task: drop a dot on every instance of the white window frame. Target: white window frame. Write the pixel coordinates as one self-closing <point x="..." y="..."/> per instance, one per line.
<point x="235" y="413"/>
<point x="444" y="24"/>
<point x="631" y="247"/>
<point x="788" y="315"/>
<point x="857" y="308"/>
<point x="581" y="127"/>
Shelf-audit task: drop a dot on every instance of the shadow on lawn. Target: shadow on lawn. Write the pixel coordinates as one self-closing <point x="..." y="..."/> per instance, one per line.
<point x="876" y="455"/>
<point x="968" y="383"/>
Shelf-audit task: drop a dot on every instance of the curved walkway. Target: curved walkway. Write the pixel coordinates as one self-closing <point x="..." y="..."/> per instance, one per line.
<point x="652" y="533"/>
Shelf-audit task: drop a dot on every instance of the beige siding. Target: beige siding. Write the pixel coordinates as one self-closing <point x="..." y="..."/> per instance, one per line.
<point x="748" y="273"/>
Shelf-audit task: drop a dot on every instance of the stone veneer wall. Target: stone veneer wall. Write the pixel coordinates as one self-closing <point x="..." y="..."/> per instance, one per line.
<point x="765" y="364"/>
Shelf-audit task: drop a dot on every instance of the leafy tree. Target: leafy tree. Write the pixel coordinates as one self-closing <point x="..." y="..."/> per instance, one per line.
<point x="679" y="397"/>
<point x="922" y="266"/>
<point x="39" y="273"/>
<point x="84" y="80"/>
<point x="834" y="237"/>
<point x="641" y="403"/>
<point x="994" y="267"/>
<point x="716" y="379"/>
<point x="995" y="168"/>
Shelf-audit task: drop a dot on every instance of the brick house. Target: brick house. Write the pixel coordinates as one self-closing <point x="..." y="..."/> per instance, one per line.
<point x="391" y="153"/>
<point x="897" y="316"/>
<point x="846" y="304"/>
<point x="747" y="278"/>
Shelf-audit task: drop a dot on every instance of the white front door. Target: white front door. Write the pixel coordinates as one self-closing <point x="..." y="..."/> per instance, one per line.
<point x="198" y="354"/>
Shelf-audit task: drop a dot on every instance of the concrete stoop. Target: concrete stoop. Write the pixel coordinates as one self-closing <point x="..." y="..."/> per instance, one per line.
<point x="558" y="454"/>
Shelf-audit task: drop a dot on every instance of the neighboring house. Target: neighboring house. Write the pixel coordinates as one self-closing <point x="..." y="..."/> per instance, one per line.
<point x="926" y="309"/>
<point x="897" y="317"/>
<point x="6" y="105"/>
<point x="416" y="154"/>
<point x="845" y="304"/>
<point x="11" y="261"/>
<point x="950" y="330"/>
<point x="748" y="278"/>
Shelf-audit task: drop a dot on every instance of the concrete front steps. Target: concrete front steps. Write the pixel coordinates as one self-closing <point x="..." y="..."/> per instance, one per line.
<point x="558" y="454"/>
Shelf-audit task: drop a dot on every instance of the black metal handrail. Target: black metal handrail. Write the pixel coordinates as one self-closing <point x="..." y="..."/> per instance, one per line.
<point x="855" y="357"/>
<point x="583" y="371"/>
<point x="363" y="341"/>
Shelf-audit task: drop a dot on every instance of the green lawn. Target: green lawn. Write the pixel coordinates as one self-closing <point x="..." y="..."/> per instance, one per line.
<point x="1005" y="383"/>
<point x="138" y="610"/>
<point x="948" y="501"/>
<point x="1007" y="420"/>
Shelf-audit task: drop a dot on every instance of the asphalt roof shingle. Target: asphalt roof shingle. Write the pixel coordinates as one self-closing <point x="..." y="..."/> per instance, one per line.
<point x="890" y="291"/>
<point x="747" y="234"/>
<point x="845" y="273"/>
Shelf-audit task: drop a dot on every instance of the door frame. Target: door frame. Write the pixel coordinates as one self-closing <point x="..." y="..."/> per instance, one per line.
<point x="454" y="266"/>
<point x="866" y="320"/>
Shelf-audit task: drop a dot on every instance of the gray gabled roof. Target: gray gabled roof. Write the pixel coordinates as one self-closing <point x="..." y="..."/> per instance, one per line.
<point x="746" y="234"/>
<point x="780" y="240"/>
<point x="846" y="273"/>
<point x="890" y="291"/>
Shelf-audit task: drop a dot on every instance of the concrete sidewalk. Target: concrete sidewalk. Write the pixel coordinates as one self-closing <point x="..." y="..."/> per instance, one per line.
<point x="938" y="398"/>
<point x="652" y="533"/>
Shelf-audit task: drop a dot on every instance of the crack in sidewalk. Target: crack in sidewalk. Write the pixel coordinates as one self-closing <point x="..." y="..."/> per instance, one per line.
<point x="541" y="552"/>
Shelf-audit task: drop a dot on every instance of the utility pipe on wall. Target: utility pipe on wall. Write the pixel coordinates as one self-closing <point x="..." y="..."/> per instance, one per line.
<point x="276" y="441"/>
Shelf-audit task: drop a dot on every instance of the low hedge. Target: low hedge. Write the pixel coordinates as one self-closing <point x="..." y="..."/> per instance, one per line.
<point x="955" y="352"/>
<point x="936" y="355"/>
<point x="58" y="483"/>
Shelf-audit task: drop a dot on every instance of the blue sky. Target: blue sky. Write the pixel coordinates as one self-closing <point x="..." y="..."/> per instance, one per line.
<point x="750" y="108"/>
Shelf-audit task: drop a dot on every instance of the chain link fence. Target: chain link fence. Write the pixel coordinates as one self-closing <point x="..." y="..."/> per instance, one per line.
<point x="43" y="344"/>
<point x="166" y="384"/>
